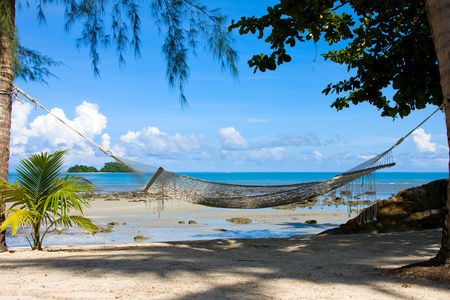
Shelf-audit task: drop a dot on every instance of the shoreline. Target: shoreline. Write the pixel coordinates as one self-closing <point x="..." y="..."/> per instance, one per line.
<point x="130" y="221"/>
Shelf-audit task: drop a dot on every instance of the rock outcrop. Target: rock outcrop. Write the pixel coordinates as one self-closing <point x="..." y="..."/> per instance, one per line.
<point x="413" y="209"/>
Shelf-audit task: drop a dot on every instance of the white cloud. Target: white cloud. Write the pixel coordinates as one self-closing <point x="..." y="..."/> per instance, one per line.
<point x="318" y="155"/>
<point x="130" y="137"/>
<point x="152" y="141"/>
<point x="231" y="139"/>
<point x="422" y="141"/>
<point x="89" y="120"/>
<point x="47" y="134"/>
<point x="366" y="157"/>
<point x="277" y="153"/>
<point x="106" y="141"/>
<point x="19" y="121"/>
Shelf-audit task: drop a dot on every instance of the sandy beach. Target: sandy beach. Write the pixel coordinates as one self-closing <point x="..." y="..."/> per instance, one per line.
<point x="323" y="267"/>
<point x="320" y="267"/>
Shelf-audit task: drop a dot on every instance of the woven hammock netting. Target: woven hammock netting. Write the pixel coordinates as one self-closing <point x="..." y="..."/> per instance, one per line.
<point x="162" y="185"/>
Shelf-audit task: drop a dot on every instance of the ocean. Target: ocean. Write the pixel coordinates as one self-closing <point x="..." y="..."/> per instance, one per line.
<point x="387" y="183"/>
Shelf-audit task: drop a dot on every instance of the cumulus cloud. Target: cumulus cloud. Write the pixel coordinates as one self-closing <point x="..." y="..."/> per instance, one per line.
<point x="152" y="141"/>
<point x="276" y="153"/>
<point x="231" y="139"/>
<point x="46" y="133"/>
<point x="422" y="141"/>
<point x="106" y="141"/>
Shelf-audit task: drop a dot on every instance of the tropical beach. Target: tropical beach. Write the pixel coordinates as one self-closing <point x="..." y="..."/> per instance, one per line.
<point x="212" y="257"/>
<point x="282" y="200"/>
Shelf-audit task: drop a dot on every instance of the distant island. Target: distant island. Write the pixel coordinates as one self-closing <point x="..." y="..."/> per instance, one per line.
<point x="110" y="167"/>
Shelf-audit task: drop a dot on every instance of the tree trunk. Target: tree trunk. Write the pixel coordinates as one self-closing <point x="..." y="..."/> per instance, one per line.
<point x="7" y="12"/>
<point x="439" y="20"/>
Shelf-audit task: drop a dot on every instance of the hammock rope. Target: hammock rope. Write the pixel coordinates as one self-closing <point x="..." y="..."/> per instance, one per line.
<point x="162" y="184"/>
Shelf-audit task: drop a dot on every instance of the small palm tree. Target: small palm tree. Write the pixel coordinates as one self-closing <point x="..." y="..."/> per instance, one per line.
<point x="41" y="199"/>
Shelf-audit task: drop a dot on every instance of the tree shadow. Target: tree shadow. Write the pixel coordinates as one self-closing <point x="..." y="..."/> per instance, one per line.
<point x="318" y="259"/>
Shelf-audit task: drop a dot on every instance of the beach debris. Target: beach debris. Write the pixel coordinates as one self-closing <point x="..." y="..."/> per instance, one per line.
<point x="181" y="222"/>
<point x="139" y="238"/>
<point x="311" y="222"/>
<point x="113" y="224"/>
<point x="220" y="230"/>
<point x="240" y="221"/>
<point x="192" y="222"/>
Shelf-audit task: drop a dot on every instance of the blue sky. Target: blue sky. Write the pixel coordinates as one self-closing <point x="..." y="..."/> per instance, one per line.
<point x="273" y="121"/>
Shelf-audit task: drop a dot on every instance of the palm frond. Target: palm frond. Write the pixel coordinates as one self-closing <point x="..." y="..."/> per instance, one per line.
<point x="13" y="193"/>
<point x="38" y="172"/>
<point x="64" y="195"/>
<point x="19" y="217"/>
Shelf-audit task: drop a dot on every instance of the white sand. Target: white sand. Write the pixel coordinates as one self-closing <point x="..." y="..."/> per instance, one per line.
<point x="320" y="267"/>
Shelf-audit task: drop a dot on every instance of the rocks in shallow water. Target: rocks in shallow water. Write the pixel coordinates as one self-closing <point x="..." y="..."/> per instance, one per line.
<point x="181" y="222"/>
<point x="113" y="224"/>
<point x="59" y="231"/>
<point x="413" y="209"/>
<point x="112" y="199"/>
<point x="140" y="238"/>
<point x="310" y="222"/>
<point x="108" y="229"/>
<point x="192" y="222"/>
<point x="240" y="220"/>
<point x="308" y="203"/>
<point x="220" y="230"/>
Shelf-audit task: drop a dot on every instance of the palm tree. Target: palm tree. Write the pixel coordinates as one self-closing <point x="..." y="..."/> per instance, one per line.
<point x="41" y="199"/>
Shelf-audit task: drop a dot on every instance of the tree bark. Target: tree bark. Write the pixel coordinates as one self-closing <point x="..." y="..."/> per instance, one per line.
<point x="438" y="12"/>
<point x="7" y="44"/>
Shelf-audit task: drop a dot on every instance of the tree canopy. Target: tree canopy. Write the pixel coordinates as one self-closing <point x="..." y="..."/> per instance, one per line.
<point x="82" y="169"/>
<point x="115" y="167"/>
<point x="184" y="25"/>
<point x="389" y="47"/>
<point x="109" y="167"/>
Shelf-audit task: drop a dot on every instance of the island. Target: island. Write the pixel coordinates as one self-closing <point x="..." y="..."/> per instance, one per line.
<point x="109" y="167"/>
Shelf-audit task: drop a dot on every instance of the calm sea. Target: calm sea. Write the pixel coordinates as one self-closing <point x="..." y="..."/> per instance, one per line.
<point x="387" y="183"/>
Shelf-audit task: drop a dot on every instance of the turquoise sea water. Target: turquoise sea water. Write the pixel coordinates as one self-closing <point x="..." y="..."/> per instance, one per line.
<point x="387" y="183"/>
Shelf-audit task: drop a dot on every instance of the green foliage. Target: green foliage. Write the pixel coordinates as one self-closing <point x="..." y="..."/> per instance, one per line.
<point x="389" y="46"/>
<point x="115" y="167"/>
<point x="117" y="24"/>
<point x="32" y="65"/>
<point x="41" y="199"/>
<point x="82" y="169"/>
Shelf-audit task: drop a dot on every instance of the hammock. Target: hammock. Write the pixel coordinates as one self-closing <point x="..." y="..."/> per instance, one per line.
<point x="163" y="184"/>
